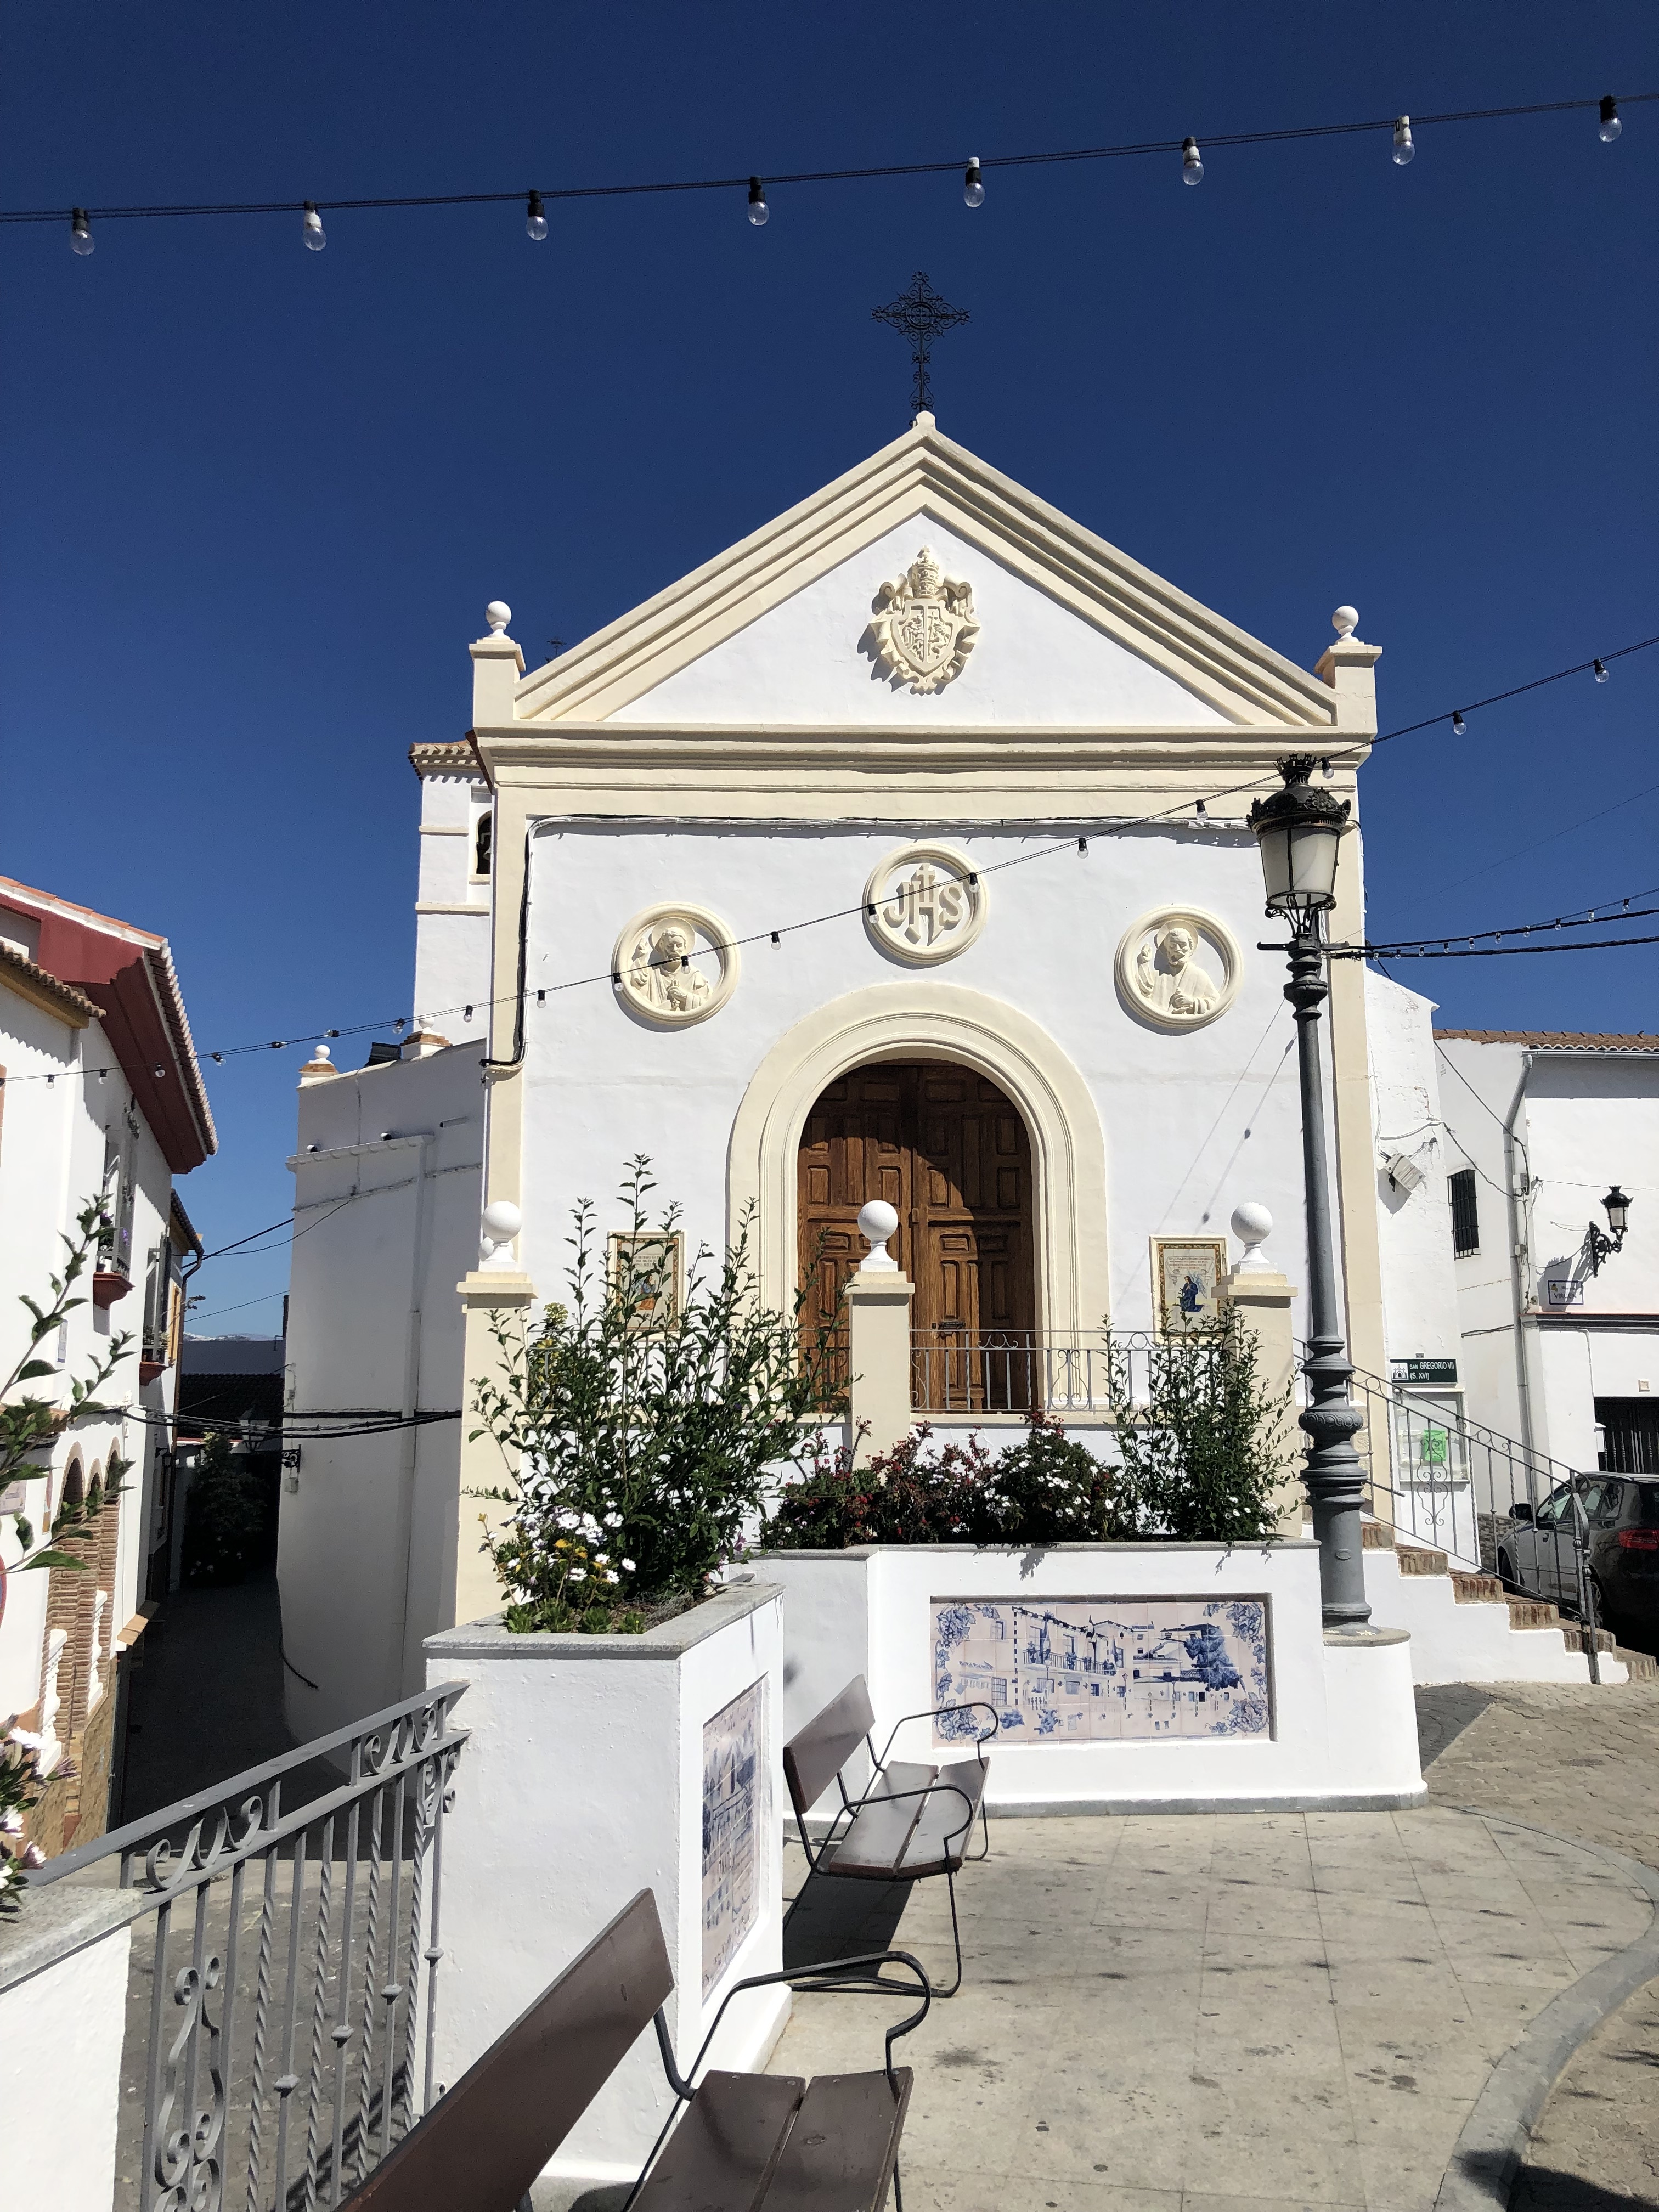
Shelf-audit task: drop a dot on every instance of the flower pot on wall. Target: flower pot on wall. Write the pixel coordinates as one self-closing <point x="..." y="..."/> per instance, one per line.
<point x="109" y="1283"/>
<point x="596" y="1766"/>
<point x="1159" y="1677"/>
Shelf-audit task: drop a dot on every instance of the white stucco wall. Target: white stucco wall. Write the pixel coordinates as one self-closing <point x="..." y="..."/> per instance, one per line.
<point x="1193" y="1122"/>
<point x="366" y="1540"/>
<point x="451" y="949"/>
<point x="1584" y="1120"/>
<point x="1419" y="1288"/>
<point x="809" y="659"/>
<point x="52" y="1161"/>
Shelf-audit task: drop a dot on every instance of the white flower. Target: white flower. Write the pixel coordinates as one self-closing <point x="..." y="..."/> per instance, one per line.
<point x="601" y="1559"/>
<point x="578" y="1575"/>
<point x="11" y="1824"/>
<point x="613" y="1520"/>
<point x="566" y="1520"/>
<point x="613" y="1578"/>
<point x="33" y="1856"/>
<point x="629" y="1568"/>
<point x="28" y="1738"/>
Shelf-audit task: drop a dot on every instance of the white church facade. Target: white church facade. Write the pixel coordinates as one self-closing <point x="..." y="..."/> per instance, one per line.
<point x="898" y="852"/>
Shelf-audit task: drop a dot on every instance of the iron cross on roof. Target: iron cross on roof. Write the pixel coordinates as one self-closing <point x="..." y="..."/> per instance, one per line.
<point x="920" y="315"/>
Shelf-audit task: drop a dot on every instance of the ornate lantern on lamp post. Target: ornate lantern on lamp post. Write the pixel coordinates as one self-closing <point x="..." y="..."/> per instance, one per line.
<point x="1299" y="830"/>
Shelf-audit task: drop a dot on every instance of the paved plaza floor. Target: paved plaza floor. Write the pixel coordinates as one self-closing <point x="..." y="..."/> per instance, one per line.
<point x="1193" y="2014"/>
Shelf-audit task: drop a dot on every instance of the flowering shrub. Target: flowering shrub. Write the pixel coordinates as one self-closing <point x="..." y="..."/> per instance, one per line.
<point x="640" y="1420"/>
<point x="20" y="1788"/>
<point x="1200" y="1462"/>
<point x="1047" y="1489"/>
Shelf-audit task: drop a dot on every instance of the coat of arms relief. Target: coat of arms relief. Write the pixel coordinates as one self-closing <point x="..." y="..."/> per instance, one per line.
<point x="924" y="627"/>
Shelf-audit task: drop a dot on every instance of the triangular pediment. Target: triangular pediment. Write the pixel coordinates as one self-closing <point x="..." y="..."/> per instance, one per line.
<point x="785" y="629"/>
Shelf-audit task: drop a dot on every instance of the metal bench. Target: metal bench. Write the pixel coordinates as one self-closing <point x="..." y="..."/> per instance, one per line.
<point x="911" y="1820"/>
<point x="769" y="2142"/>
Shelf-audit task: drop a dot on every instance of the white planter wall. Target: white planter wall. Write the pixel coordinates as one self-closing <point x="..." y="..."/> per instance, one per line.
<point x="1345" y="1724"/>
<point x="63" y="2016"/>
<point x="582" y="1784"/>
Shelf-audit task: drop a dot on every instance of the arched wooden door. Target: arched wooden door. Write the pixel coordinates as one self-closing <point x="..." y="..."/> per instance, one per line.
<point x="949" y="1150"/>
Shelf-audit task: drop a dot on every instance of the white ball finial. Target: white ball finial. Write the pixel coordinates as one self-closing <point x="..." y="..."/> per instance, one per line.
<point x="498" y="614"/>
<point x="501" y="1223"/>
<point x="876" y="1222"/>
<point x="1345" y="621"/>
<point x="322" y="1053"/>
<point x="1252" y="1224"/>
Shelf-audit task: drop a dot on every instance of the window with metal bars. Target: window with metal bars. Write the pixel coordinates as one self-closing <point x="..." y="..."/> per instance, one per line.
<point x="1465" y="1213"/>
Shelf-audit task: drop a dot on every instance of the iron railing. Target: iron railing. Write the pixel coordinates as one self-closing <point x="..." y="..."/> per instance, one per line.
<point x="1491" y="1503"/>
<point x="280" y="2035"/>
<point x="956" y="1371"/>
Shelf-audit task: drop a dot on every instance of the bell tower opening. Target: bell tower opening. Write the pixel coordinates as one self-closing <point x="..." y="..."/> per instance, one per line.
<point x="950" y="1152"/>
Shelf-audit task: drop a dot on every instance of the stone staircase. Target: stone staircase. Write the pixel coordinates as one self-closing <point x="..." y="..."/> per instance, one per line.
<point x="1465" y="1627"/>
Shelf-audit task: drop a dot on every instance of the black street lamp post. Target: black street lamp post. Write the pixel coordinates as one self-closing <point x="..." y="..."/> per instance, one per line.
<point x="1299" y="830"/>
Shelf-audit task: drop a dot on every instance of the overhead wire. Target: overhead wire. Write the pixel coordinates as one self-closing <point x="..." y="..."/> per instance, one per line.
<point x="1195" y="810"/>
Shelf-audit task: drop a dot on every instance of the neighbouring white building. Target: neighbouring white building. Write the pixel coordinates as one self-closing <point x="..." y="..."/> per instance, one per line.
<point x="100" y="1091"/>
<point x="900" y="851"/>
<point x="1560" y="1338"/>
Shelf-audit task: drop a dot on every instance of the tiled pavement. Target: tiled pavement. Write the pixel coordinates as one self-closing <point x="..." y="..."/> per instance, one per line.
<point x="1584" y="1762"/>
<point x="1199" y="2013"/>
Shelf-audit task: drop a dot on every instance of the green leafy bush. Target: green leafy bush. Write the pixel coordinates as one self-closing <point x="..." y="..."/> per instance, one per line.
<point x="224" y="1517"/>
<point x="1047" y="1489"/>
<point x="640" y="1420"/>
<point x="1201" y="1461"/>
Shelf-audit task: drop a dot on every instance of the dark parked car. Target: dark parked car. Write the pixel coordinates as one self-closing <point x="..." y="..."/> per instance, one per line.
<point x="1537" y="1553"/>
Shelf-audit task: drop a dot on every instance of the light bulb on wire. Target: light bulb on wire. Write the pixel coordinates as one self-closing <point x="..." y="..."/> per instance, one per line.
<point x="1611" y="126"/>
<point x="758" y="211"/>
<point x="535" y="221"/>
<point x="80" y="231"/>
<point x="1600" y="669"/>
<point x="1403" y="148"/>
<point x="973" y="185"/>
<point x="1192" y="166"/>
<point x="1459" y="726"/>
<point x="316" y="237"/>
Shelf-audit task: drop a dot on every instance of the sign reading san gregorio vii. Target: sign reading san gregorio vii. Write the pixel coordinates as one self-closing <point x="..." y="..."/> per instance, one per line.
<point x="924" y="625"/>
<point x="1070" y="1670"/>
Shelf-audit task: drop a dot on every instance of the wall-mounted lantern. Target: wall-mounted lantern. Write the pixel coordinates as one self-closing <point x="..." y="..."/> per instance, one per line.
<point x="1599" y="1247"/>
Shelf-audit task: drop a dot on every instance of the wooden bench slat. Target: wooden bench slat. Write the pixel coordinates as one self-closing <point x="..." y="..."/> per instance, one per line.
<point x="901" y="1774"/>
<point x="726" y="2147"/>
<point x="944" y="1829"/>
<point x="481" y="2146"/>
<point x="842" y="2147"/>
<point x="873" y="1846"/>
<point x="816" y="1754"/>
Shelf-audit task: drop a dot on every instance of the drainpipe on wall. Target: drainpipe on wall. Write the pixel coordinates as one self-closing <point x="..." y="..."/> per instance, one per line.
<point x="1520" y="1228"/>
<point x="409" y="1441"/>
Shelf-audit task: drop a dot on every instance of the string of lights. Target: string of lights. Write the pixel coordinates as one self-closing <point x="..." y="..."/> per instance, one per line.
<point x="1196" y="812"/>
<point x="1444" y="951"/>
<point x="1400" y="131"/>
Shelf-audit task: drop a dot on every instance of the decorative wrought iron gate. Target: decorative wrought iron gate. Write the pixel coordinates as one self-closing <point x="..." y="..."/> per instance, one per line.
<point x="279" y="2025"/>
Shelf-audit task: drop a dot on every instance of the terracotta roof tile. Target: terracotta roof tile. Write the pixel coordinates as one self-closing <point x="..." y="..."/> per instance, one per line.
<point x="1562" y="1040"/>
<point x="37" y="984"/>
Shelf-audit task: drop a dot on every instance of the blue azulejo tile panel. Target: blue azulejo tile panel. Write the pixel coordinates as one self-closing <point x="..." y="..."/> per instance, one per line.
<point x="1072" y="1670"/>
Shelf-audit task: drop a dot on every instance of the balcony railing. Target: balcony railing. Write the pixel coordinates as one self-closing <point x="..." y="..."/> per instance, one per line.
<point x="959" y="1371"/>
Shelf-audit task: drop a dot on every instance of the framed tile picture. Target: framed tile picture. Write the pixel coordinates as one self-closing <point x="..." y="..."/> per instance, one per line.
<point x="1187" y="1283"/>
<point x="647" y="1275"/>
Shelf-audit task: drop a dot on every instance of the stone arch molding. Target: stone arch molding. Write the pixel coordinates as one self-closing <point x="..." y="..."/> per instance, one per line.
<point x="921" y="1020"/>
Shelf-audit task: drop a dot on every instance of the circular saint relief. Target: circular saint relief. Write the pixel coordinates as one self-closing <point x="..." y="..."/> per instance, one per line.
<point x="924" y="903"/>
<point x="1178" y="968"/>
<point x="674" y="965"/>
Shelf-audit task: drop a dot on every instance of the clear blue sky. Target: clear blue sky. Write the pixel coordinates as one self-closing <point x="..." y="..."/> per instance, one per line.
<point x="256" y="498"/>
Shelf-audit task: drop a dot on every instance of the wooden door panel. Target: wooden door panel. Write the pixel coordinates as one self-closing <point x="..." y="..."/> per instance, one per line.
<point x="948" y="1151"/>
